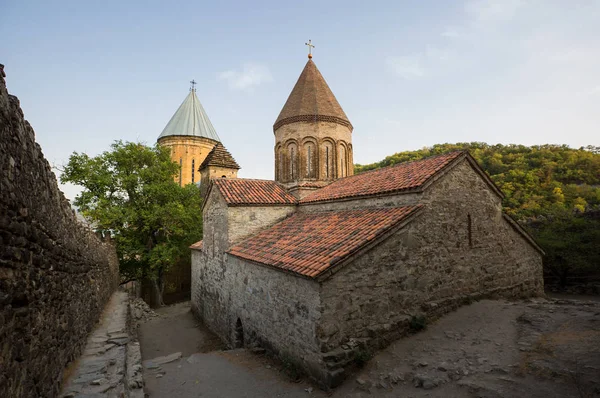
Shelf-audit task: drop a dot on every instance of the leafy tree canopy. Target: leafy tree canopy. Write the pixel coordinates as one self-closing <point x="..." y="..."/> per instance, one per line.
<point x="538" y="181"/>
<point x="129" y="192"/>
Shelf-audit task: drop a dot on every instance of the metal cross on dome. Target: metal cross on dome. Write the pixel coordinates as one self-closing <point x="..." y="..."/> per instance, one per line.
<point x="310" y="47"/>
<point x="193" y="83"/>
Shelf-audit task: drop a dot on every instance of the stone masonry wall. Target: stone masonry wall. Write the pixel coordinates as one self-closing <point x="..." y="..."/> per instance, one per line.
<point x="326" y="165"/>
<point x="431" y="266"/>
<point x="246" y="221"/>
<point x="395" y="200"/>
<point x="55" y="274"/>
<point x="277" y="310"/>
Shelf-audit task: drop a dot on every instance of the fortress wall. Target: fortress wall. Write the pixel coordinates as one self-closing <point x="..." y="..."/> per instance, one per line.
<point x="56" y="275"/>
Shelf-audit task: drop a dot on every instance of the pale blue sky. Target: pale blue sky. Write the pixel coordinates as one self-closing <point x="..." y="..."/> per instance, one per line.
<point x="408" y="73"/>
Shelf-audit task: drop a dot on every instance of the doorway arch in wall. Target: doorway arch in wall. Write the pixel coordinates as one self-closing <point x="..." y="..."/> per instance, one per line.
<point x="239" y="334"/>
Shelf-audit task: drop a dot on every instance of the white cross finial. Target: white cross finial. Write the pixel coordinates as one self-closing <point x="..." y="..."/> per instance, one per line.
<point x="310" y="47"/>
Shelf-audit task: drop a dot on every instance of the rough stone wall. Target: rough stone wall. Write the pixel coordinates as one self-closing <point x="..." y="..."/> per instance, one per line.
<point x="324" y="165"/>
<point x="431" y="266"/>
<point x="395" y="200"/>
<point x="205" y="293"/>
<point x="277" y="310"/>
<point x="245" y="221"/>
<point x="55" y="274"/>
<point x="188" y="150"/>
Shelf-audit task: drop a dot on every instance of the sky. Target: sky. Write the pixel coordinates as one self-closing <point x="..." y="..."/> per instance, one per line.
<point x="409" y="74"/>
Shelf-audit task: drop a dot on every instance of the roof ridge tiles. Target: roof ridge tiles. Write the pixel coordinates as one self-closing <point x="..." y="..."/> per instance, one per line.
<point x="245" y="191"/>
<point x="399" y="177"/>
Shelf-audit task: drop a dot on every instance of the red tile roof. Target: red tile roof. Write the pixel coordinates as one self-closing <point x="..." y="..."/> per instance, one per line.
<point x="400" y="177"/>
<point x="241" y="191"/>
<point x="311" y="100"/>
<point x="197" y="246"/>
<point x="310" y="243"/>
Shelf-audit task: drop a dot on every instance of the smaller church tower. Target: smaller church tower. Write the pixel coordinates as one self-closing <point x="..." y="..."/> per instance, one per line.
<point x="191" y="136"/>
<point x="313" y="136"/>
<point x="218" y="164"/>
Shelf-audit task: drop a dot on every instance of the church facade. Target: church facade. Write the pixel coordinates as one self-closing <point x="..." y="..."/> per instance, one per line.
<point x="321" y="266"/>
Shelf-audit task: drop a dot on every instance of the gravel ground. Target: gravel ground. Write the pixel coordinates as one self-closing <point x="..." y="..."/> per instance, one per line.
<point x="534" y="348"/>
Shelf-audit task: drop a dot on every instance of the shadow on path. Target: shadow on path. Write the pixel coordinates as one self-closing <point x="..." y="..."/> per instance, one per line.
<point x="203" y="370"/>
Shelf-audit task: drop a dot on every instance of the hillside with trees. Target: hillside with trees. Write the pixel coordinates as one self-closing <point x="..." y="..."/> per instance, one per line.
<point x="552" y="190"/>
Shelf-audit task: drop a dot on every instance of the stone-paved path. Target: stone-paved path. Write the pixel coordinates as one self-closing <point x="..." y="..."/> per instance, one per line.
<point x="101" y="370"/>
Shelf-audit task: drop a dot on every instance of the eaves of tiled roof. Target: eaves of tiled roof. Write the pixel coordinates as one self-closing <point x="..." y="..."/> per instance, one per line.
<point x="309" y="244"/>
<point x="248" y="192"/>
<point x="197" y="246"/>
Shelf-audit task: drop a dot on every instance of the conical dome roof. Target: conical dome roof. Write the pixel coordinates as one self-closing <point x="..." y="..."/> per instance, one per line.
<point x="190" y="120"/>
<point x="311" y="100"/>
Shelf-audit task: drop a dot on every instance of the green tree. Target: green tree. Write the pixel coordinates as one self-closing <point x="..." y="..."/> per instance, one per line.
<point x="572" y="244"/>
<point x="129" y="193"/>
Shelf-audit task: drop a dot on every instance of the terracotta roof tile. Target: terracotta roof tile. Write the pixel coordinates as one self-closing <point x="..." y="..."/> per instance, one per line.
<point x="311" y="99"/>
<point x="400" y="177"/>
<point x="197" y="246"/>
<point x="241" y="191"/>
<point x="219" y="156"/>
<point x="310" y="243"/>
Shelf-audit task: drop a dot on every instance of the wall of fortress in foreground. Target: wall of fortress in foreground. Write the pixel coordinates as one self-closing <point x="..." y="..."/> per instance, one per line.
<point x="56" y="275"/>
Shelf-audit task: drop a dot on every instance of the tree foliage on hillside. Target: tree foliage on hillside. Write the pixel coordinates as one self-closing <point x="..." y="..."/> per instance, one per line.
<point x="548" y="189"/>
<point x="129" y="193"/>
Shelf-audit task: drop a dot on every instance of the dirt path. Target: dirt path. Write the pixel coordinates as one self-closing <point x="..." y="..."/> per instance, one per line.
<point x="490" y="349"/>
<point x="202" y="370"/>
<point x="176" y="330"/>
<point x="538" y="348"/>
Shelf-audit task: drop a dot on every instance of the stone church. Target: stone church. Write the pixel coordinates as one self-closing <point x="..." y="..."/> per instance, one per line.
<point x="321" y="266"/>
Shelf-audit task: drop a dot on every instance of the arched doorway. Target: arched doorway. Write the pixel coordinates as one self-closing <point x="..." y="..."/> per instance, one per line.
<point x="239" y="334"/>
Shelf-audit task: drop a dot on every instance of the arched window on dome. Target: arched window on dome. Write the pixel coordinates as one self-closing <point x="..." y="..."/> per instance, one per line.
<point x="193" y="169"/>
<point x="293" y="166"/>
<point x="343" y="171"/>
<point x="328" y="157"/>
<point x="180" y="169"/>
<point x="279" y="175"/>
<point x="310" y="154"/>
